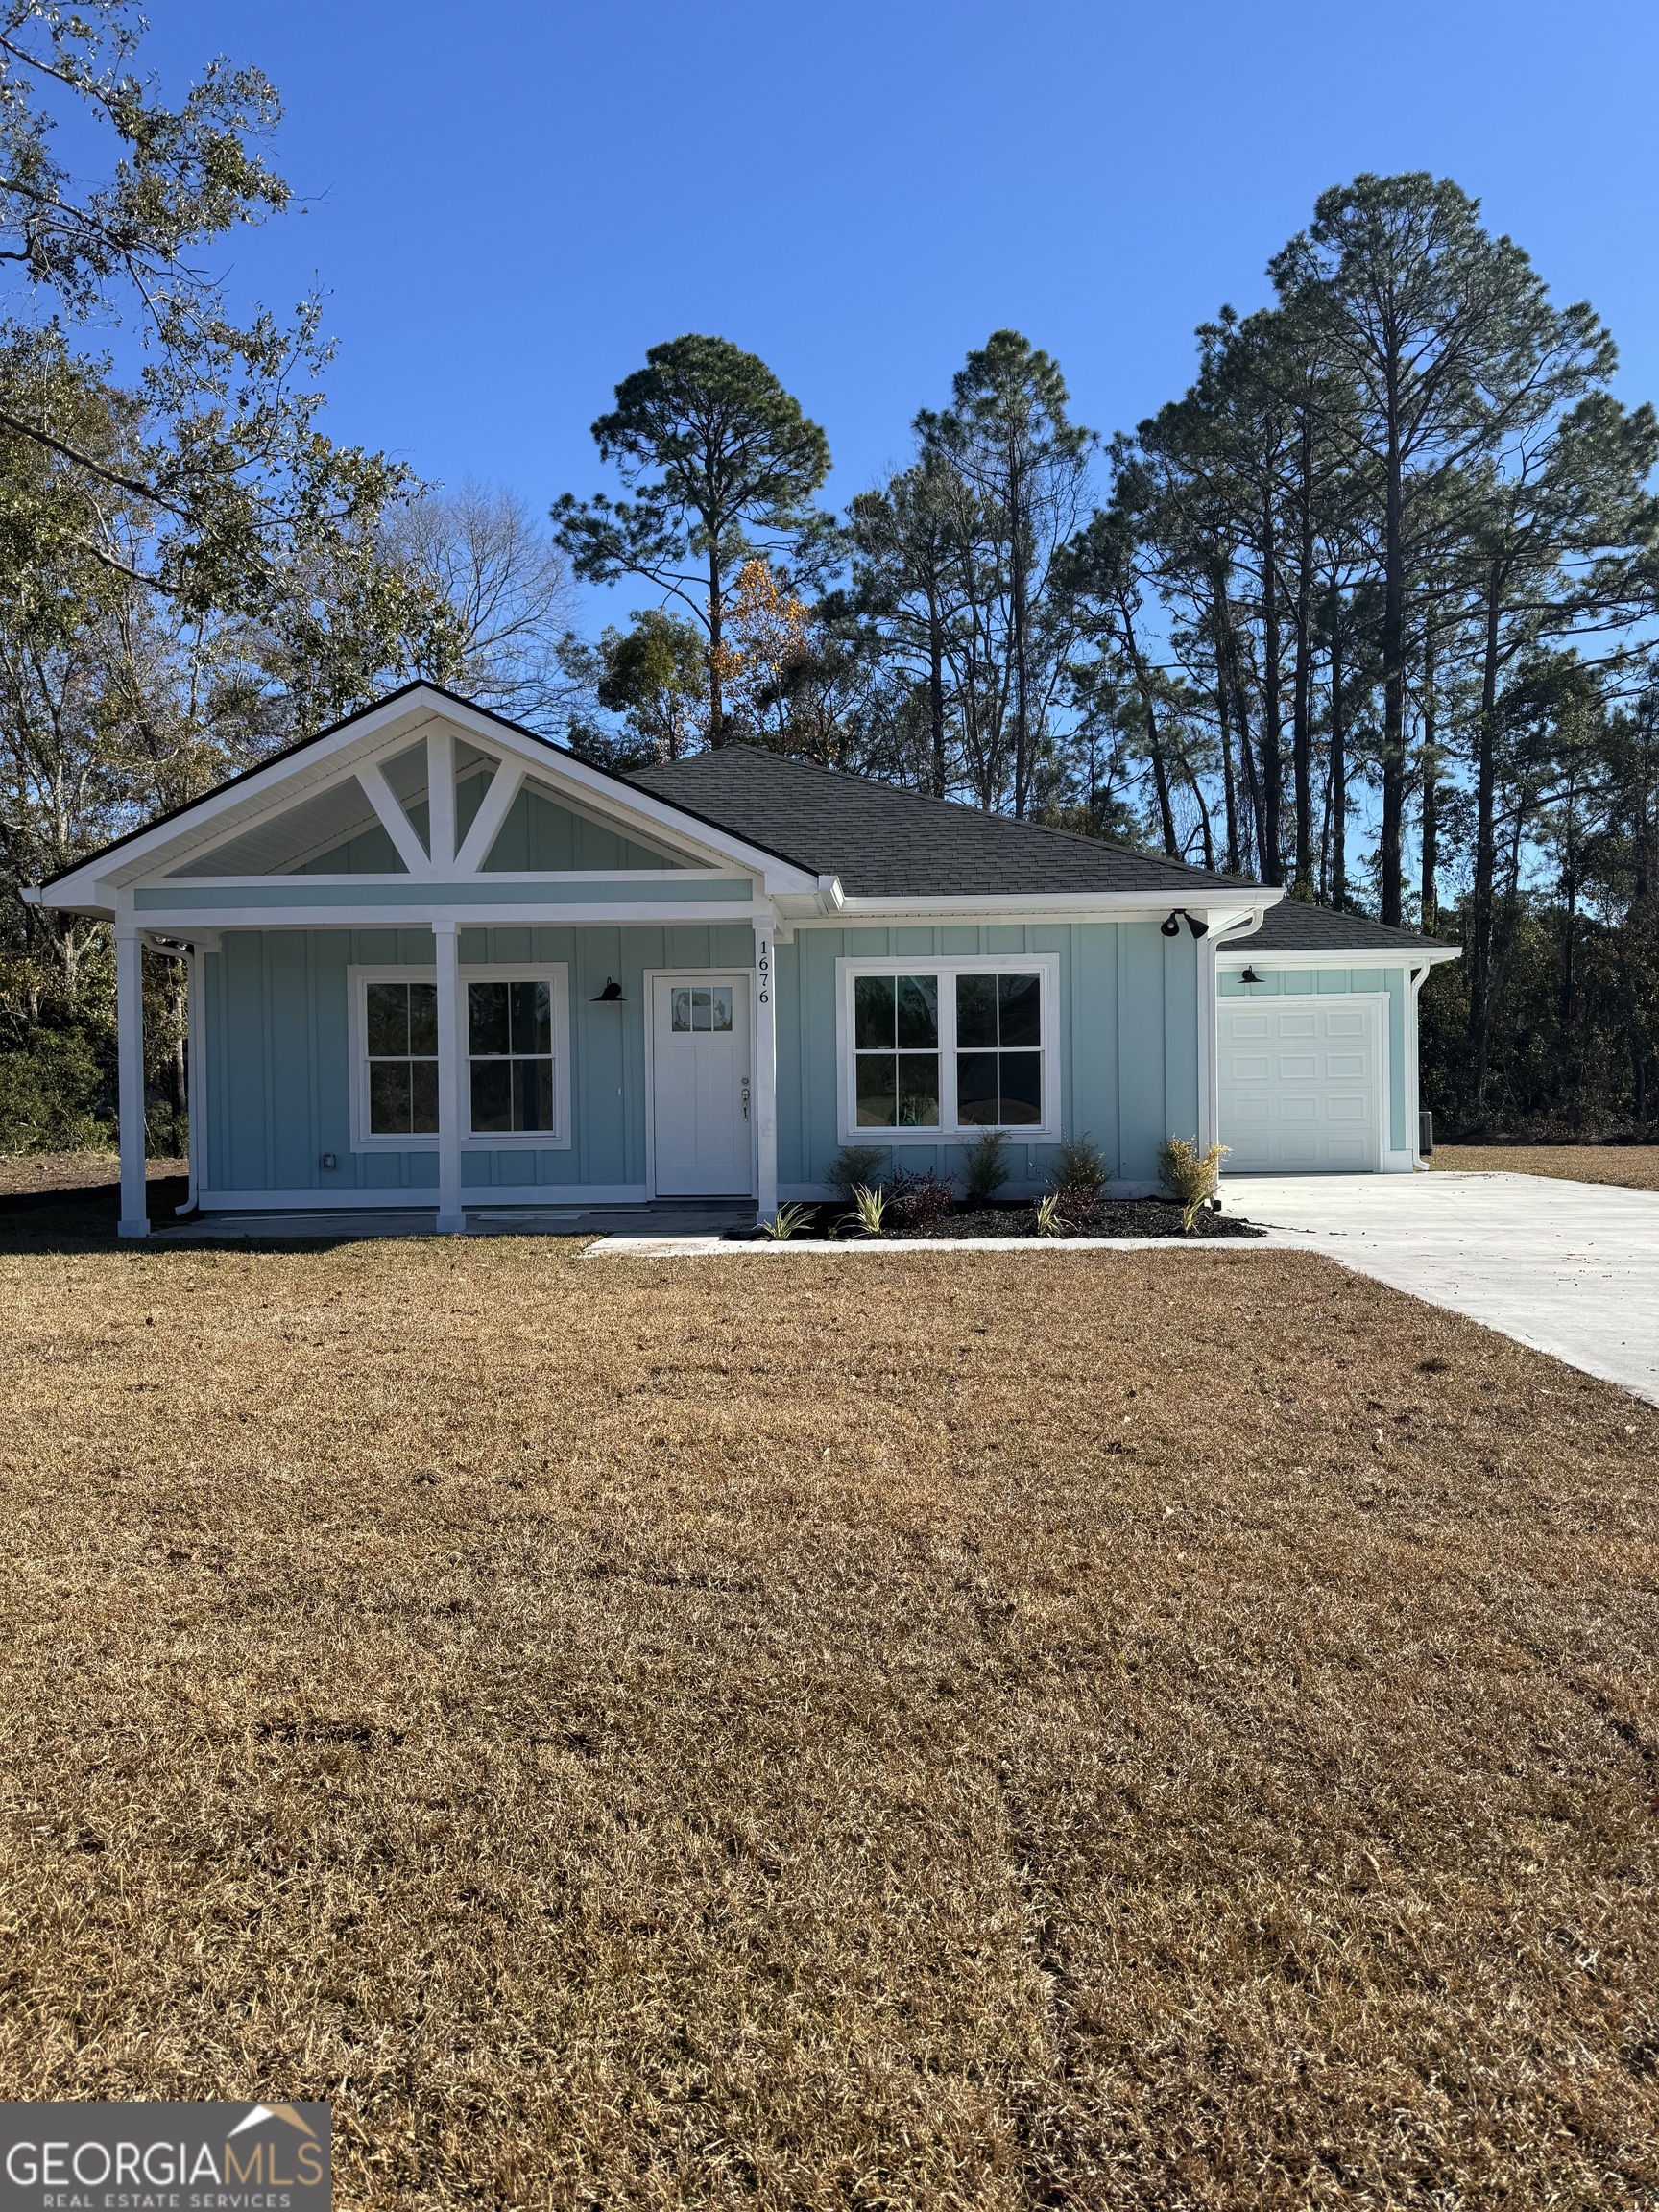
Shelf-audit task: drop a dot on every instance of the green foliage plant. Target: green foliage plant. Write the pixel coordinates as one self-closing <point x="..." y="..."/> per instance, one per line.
<point x="1080" y="1174"/>
<point x="985" y="1168"/>
<point x="869" y="1211"/>
<point x="855" y="1165"/>
<point x="785" y="1221"/>
<point x="1050" y="1222"/>
<point x="1190" y="1176"/>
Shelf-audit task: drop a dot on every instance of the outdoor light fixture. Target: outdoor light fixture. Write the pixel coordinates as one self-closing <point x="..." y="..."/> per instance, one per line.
<point x="1171" y="927"/>
<point x="1198" y="926"/>
<point x="1249" y="976"/>
<point x="610" y="996"/>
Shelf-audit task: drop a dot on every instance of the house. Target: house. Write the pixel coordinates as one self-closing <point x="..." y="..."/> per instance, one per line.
<point x="440" y="964"/>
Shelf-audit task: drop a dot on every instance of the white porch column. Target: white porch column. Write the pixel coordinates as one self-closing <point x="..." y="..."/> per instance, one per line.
<point x="765" y="1074"/>
<point x="452" y="1103"/>
<point x="130" y="1049"/>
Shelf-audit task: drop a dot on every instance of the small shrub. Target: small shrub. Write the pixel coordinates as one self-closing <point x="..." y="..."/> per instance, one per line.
<point x="855" y="1167"/>
<point x="985" y="1166"/>
<point x="920" y="1199"/>
<point x="869" y="1208"/>
<point x="1050" y="1222"/>
<point x="785" y="1221"/>
<point x="1078" y="1176"/>
<point x="1190" y="1176"/>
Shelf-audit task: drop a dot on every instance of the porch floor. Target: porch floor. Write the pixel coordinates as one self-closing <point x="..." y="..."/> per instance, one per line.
<point x="660" y="1217"/>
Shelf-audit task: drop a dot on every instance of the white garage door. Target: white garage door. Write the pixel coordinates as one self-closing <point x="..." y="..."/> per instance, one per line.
<point x="1301" y="1086"/>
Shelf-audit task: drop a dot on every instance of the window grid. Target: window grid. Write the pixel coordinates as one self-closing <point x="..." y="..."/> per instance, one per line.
<point x="957" y="1047"/>
<point x="514" y="1040"/>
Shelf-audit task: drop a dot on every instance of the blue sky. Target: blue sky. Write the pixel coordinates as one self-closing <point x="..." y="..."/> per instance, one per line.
<point x="508" y="205"/>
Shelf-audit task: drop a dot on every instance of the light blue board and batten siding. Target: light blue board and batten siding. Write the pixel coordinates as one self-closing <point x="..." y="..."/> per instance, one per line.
<point x="277" y="1057"/>
<point x="1326" y="982"/>
<point x="537" y="835"/>
<point x="1128" y="1014"/>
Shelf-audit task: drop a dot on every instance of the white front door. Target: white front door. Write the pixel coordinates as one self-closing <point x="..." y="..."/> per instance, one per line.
<point x="1301" y="1086"/>
<point x="700" y="1086"/>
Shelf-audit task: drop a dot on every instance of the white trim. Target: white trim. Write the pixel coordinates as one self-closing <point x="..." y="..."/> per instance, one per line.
<point x="135" y="1220"/>
<point x="452" y="1106"/>
<point x="1374" y="1001"/>
<point x="740" y="979"/>
<point x="617" y="875"/>
<point x="764" y="1018"/>
<point x="664" y="913"/>
<point x="423" y="1198"/>
<point x="441" y="797"/>
<point x="1045" y="964"/>
<point x="554" y="972"/>
<point x="494" y="809"/>
<point x="1344" y="956"/>
<point x="858" y="913"/>
<point x="384" y="731"/>
<point x="389" y="810"/>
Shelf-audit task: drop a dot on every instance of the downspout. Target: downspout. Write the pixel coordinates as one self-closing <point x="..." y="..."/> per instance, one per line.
<point x="1414" y="1109"/>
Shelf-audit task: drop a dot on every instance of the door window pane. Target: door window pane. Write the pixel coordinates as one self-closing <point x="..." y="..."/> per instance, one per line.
<point x="680" y="1014"/>
<point x="720" y="1007"/>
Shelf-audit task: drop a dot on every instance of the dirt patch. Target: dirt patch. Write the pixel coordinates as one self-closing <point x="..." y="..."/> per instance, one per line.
<point x="26" y="1172"/>
<point x="1636" y="1167"/>
<point x="985" y="1730"/>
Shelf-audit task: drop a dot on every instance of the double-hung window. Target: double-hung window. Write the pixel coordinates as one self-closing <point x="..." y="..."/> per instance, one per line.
<point x="513" y="1046"/>
<point x="932" y="1050"/>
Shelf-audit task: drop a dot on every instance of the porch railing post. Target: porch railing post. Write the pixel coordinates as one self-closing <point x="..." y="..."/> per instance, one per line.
<point x="129" y="1091"/>
<point x="452" y="1103"/>
<point x="766" y="1074"/>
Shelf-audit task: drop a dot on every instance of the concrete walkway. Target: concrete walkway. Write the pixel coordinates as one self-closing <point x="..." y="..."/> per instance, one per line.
<point x="1571" y="1268"/>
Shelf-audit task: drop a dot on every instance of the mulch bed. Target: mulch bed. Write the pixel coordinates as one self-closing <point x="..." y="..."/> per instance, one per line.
<point x="1018" y="1217"/>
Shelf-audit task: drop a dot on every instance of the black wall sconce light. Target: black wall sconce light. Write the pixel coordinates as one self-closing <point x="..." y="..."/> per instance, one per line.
<point x="1249" y="976"/>
<point x="1172" y="926"/>
<point x="610" y="996"/>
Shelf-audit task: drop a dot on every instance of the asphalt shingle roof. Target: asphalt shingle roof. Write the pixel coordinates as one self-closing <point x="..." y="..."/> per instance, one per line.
<point x="884" y="843"/>
<point x="1291" y="926"/>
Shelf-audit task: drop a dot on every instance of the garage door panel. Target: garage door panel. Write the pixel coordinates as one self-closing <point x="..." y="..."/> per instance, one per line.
<point x="1301" y="1087"/>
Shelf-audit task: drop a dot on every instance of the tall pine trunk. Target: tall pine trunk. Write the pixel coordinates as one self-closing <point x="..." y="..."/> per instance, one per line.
<point x="1272" y="724"/>
<point x="1482" y="903"/>
<point x="1338" y="799"/>
<point x="1393" y="667"/>
<point x="1301" y="734"/>
<point x="1021" y="722"/>
<point x="1430" y="891"/>
<point x="936" y="689"/>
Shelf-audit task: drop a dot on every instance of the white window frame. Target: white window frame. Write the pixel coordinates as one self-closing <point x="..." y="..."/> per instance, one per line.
<point x="947" y="967"/>
<point x="555" y="972"/>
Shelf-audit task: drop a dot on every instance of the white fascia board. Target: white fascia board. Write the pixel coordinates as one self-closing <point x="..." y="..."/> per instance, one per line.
<point x="1247" y="955"/>
<point x="538" y="913"/>
<point x="222" y="814"/>
<point x="1218" y="910"/>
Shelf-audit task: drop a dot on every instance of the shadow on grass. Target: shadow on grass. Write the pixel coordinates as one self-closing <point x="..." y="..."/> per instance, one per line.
<point x="85" y="1220"/>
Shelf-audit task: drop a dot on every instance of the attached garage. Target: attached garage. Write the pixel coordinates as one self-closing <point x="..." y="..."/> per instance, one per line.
<point x="1302" y="1085"/>
<point x="1316" y="1044"/>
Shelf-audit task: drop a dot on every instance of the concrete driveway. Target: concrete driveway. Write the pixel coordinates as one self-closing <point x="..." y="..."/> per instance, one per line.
<point x="1571" y="1268"/>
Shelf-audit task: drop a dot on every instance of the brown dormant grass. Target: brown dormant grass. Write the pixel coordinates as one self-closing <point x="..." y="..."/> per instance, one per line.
<point x="968" y="1730"/>
<point x="1635" y="1166"/>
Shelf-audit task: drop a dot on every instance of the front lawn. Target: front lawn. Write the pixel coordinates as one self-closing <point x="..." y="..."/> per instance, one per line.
<point x="979" y="1730"/>
<point x="1636" y="1165"/>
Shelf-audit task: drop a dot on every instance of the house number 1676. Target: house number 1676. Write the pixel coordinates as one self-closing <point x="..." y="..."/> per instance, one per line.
<point x="763" y="972"/>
